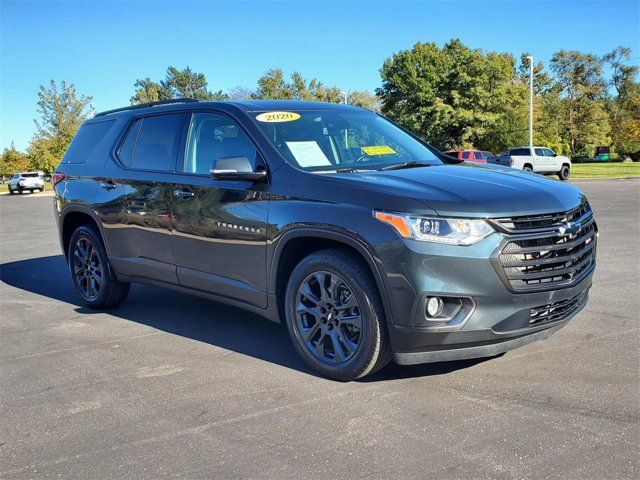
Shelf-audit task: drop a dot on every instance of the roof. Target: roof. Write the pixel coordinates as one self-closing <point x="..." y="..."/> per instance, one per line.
<point x="251" y="105"/>
<point x="245" y="105"/>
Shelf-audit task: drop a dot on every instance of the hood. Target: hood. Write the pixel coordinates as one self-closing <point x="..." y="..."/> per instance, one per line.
<point x="471" y="190"/>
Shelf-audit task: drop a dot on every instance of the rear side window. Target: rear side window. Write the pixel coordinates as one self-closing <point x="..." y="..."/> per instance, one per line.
<point x="152" y="143"/>
<point x="466" y="155"/>
<point x="85" y="141"/>
<point x="520" y="151"/>
<point x="478" y="155"/>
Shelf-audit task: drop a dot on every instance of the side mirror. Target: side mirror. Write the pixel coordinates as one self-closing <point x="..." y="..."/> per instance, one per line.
<point x="236" y="168"/>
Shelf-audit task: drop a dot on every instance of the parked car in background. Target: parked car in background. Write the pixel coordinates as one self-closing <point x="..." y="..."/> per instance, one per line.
<point x="477" y="156"/>
<point x="30" y="181"/>
<point x="368" y="248"/>
<point x="537" y="159"/>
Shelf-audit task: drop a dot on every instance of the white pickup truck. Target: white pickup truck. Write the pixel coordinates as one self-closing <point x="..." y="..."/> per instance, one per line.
<point x="536" y="159"/>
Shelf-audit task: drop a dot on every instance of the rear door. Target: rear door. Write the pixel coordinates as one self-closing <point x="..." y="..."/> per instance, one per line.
<point x="219" y="227"/>
<point x="135" y="196"/>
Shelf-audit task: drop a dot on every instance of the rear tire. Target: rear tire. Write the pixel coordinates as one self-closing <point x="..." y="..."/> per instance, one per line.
<point x="92" y="276"/>
<point x="11" y="192"/>
<point x="335" y="316"/>
<point x="564" y="173"/>
<point x="527" y="168"/>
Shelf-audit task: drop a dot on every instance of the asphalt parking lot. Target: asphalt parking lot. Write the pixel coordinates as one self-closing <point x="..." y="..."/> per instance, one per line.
<point x="176" y="386"/>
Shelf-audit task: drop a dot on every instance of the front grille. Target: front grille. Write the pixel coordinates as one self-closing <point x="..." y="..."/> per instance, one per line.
<point x="546" y="252"/>
<point x="554" y="312"/>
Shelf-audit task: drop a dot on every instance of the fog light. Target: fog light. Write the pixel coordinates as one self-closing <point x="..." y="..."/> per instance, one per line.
<point x="434" y="306"/>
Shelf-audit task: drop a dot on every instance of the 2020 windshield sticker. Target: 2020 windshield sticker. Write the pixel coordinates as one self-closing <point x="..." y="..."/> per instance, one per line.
<point x="378" y="150"/>
<point x="275" y="117"/>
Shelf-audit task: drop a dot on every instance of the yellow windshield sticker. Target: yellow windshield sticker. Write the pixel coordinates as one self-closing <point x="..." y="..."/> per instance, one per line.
<point x="271" y="117"/>
<point x="378" y="150"/>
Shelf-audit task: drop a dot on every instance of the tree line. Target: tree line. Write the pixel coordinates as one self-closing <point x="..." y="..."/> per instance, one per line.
<point x="452" y="96"/>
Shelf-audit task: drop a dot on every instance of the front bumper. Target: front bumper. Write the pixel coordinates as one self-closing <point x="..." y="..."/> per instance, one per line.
<point x="495" y="320"/>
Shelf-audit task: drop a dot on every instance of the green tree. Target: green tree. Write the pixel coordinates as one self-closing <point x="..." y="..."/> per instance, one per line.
<point x="364" y="99"/>
<point x="624" y="105"/>
<point x="12" y="161"/>
<point x="177" y="84"/>
<point x="582" y="85"/>
<point x="273" y="85"/>
<point x="453" y="96"/>
<point x="62" y="110"/>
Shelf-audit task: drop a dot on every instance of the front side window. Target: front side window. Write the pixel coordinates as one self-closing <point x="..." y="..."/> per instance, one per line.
<point x="539" y="152"/>
<point x="213" y="136"/>
<point x="326" y="140"/>
<point x="548" y="153"/>
<point x="152" y="143"/>
<point x="478" y="155"/>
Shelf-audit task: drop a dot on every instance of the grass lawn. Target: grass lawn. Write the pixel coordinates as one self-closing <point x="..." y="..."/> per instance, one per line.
<point x="605" y="170"/>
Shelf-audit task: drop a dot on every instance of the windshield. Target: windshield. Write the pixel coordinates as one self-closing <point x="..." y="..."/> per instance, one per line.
<point x="332" y="139"/>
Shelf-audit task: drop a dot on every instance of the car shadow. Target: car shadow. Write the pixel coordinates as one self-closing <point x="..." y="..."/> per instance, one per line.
<point x="196" y="318"/>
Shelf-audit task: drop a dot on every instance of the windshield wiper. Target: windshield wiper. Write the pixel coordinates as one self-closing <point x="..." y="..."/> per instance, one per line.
<point x="400" y="166"/>
<point x="347" y="170"/>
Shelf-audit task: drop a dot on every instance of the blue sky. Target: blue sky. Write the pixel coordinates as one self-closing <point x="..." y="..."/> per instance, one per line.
<point x="104" y="47"/>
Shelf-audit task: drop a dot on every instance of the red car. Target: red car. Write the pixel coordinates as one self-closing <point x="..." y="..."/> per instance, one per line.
<point x="477" y="156"/>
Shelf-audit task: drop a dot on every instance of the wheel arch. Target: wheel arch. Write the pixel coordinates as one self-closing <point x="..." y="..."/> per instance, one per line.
<point x="76" y="216"/>
<point x="296" y="244"/>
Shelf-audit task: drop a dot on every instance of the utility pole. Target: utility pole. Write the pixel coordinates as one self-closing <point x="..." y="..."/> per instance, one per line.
<point x="344" y="94"/>
<point x="530" y="101"/>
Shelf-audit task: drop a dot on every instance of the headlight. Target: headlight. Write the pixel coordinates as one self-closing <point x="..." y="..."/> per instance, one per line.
<point x="452" y="231"/>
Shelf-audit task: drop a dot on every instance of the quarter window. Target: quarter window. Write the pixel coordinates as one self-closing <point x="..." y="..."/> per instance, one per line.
<point x="213" y="136"/>
<point x="152" y="143"/>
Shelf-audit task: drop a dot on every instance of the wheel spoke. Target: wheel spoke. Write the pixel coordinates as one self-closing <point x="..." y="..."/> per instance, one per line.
<point x="344" y="339"/>
<point x="313" y="311"/>
<point x="319" y="348"/>
<point x="305" y="291"/>
<point x="339" y="355"/>
<point x="354" y="320"/>
<point x="309" y="333"/>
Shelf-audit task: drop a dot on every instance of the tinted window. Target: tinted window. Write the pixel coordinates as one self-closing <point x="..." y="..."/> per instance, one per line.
<point x="466" y="155"/>
<point x="85" y="141"/>
<point x="324" y="140"/>
<point x="157" y="143"/>
<point x="126" y="150"/>
<point x="548" y="153"/>
<point x="478" y="155"/>
<point x="213" y="136"/>
<point x="520" y="151"/>
<point x="30" y="175"/>
<point x="539" y="152"/>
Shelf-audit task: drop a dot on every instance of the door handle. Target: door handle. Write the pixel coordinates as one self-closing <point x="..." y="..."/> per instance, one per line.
<point x="108" y="185"/>
<point x="183" y="194"/>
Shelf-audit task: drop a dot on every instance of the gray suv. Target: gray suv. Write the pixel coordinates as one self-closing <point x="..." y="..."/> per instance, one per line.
<point x="369" y="244"/>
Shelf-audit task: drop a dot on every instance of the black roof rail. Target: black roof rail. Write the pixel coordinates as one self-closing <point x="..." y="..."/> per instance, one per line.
<point x="145" y="105"/>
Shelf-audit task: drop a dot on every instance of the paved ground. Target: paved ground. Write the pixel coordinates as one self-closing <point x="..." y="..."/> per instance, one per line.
<point x="170" y="385"/>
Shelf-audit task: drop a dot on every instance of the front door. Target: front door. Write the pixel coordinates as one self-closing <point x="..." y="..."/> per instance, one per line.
<point x="219" y="227"/>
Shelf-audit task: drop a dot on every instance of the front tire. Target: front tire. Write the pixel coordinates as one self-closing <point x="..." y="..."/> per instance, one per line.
<point x="335" y="316"/>
<point x="564" y="173"/>
<point x="92" y="276"/>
